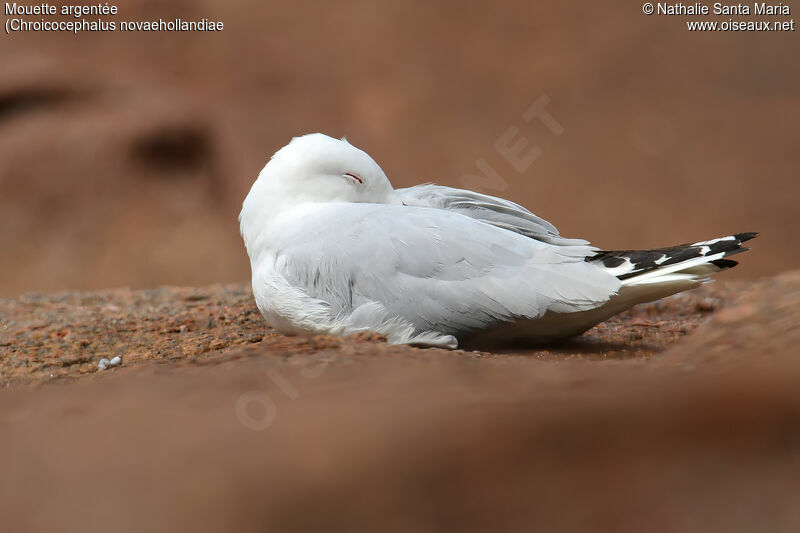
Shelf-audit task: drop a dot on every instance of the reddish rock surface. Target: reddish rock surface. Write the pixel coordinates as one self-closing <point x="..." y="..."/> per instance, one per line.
<point x="678" y="416"/>
<point x="47" y="337"/>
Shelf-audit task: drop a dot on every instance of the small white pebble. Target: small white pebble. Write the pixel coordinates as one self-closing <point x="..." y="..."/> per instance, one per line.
<point x="103" y="363"/>
<point x="115" y="361"/>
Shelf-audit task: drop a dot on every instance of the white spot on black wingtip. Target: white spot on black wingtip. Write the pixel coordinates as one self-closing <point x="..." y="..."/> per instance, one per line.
<point x="714" y="241"/>
<point x="626" y="264"/>
<point x="738" y="237"/>
<point x="621" y="265"/>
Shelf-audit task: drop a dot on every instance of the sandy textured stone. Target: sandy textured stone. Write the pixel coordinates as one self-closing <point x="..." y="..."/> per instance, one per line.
<point x="672" y="417"/>
<point x="65" y="335"/>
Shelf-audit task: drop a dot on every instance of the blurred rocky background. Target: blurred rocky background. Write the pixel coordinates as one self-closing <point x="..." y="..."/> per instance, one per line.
<point x="124" y="157"/>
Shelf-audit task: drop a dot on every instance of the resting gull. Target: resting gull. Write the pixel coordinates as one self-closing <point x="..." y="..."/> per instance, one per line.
<point x="335" y="249"/>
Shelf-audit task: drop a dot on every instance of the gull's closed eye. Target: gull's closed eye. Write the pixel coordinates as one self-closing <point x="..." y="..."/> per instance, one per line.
<point x="354" y="177"/>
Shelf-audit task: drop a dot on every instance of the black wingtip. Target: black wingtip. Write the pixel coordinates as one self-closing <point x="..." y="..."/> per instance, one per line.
<point x="724" y="263"/>
<point x="742" y="237"/>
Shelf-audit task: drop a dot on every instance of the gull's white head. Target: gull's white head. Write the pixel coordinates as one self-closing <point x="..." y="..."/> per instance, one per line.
<point x="314" y="168"/>
<point x="318" y="168"/>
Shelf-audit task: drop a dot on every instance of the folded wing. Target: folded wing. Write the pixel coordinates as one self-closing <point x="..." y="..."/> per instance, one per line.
<point x="436" y="269"/>
<point x="489" y="209"/>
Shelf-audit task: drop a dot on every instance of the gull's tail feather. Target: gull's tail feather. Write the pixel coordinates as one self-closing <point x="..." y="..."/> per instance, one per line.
<point x="649" y="275"/>
<point x="685" y="262"/>
<point x="646" y="275"/>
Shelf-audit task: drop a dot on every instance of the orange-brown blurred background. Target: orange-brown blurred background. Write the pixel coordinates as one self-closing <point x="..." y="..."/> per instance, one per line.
<point x="124" y="157"/>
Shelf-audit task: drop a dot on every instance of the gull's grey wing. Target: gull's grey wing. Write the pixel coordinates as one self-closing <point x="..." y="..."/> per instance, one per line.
<point x="436" y="269"/>
<point x="492" y="210"/>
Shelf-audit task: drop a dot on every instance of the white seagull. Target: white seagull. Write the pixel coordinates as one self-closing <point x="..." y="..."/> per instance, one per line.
<point x="335" y="249"/>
